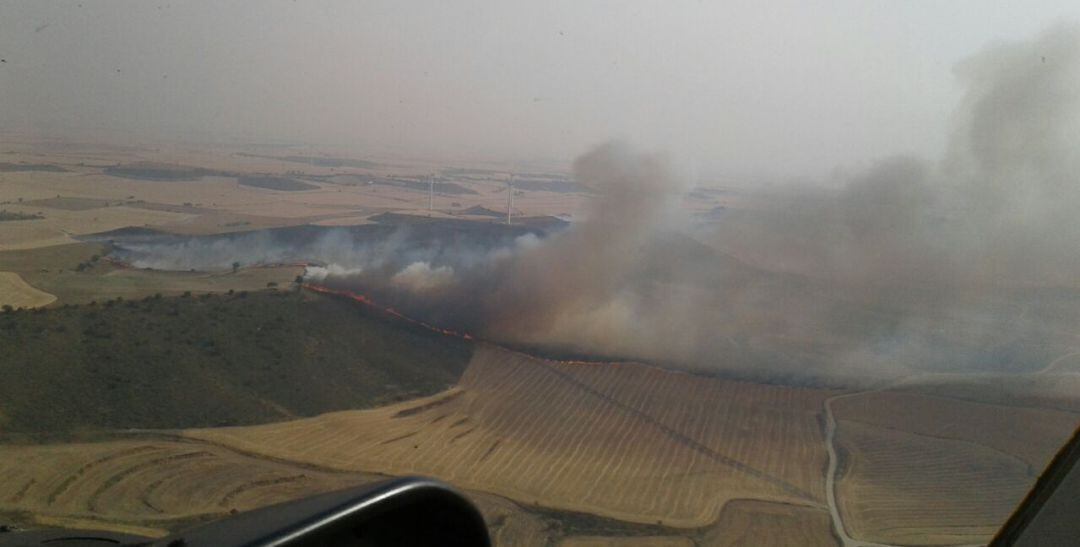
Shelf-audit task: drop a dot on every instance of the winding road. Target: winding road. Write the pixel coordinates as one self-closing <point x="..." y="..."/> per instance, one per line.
<point x="830" y="476"/>
<point x="834" y="509"/>
<point x="1049" y="369"/>
<point x="830" y="447"/>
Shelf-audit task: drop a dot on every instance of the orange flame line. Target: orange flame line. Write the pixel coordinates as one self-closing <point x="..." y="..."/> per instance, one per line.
<point x="367" y="301"/>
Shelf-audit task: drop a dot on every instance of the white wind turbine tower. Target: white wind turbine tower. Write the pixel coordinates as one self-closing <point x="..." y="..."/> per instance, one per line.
<point x="431" y="194"/>
<point x="509" y="197"/>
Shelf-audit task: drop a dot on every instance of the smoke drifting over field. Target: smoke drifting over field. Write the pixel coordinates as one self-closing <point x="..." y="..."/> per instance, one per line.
<point x="580" y="280"/>
<point x="913" y="264"/>
<point x="940" y="247"/>
<point x="999" y="209"/>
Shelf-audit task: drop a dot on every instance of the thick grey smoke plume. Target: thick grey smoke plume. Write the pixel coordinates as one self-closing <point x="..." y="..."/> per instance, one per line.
<point x="912" y="264"/>
<point x="577" y="281"/>
<point x="998" y="211"/>
<point x="1016" y="158"/>
<point x="969" y="262"/>
<point x="581" y="289"/>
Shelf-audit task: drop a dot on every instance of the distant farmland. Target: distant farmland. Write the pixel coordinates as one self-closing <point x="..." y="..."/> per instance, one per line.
<point x="283" y="184"/>
<point x="8" y="167"/>
<point x="158" y="173"/>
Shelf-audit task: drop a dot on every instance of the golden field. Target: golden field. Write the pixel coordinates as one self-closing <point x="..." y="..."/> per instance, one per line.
<point x="155" y="485"/>
<point x="623" y="441"/>
<point x="671" y="458"/>
<point x="901" y="488"/>
<point x="753" y="522"/>
<point x="717" y="462"/>
<point x="1029" y="434"/>
<point x="16" y="293"/>
<point x="148" y="482"/>
<point x="84" y="199"/>
<point x="927" y="469"/>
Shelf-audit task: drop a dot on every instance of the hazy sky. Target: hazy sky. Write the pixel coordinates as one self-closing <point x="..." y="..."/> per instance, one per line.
<point x="775" y="88"/>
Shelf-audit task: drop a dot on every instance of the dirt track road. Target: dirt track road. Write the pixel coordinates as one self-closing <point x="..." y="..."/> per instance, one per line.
<point x="830" y="476"/>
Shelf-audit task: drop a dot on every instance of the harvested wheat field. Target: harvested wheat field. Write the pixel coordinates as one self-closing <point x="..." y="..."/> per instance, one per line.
<point x="620" y="440"/>
<point x="917" y="464"/>
<point x="151" y="487"/>
<point x="149" y="483"/>
<point x="645" y="541"/>
<point x="903" y="488"/>
<point x="750" y="523"/>
<point x="17" y="293"/>
<point x="1033" y="435"/>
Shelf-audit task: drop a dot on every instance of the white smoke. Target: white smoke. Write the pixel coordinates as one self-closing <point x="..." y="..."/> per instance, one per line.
<point x="420" y="277"/>
<point x="320" y="273"/>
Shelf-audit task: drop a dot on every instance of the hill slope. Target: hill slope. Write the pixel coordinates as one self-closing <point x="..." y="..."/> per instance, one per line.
<point x="624" y="441"/>
<point x="209" y="360"/>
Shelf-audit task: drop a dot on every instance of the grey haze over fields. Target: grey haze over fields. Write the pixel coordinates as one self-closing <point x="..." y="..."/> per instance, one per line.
<point x="741" y="90"/>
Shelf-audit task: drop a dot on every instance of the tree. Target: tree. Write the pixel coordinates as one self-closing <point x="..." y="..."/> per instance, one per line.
<point x="235" y="266"/>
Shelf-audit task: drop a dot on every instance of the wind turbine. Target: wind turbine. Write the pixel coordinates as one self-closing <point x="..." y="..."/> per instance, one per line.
<point x="509" y="197"/>
<point x="431" y="194"/>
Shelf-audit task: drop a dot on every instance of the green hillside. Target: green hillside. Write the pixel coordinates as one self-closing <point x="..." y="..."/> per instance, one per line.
<point x="209" y="360"/>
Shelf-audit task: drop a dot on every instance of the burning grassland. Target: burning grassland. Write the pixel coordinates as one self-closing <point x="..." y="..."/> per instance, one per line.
<point x="960" y="264"/>
<point x="910" y="265"/>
